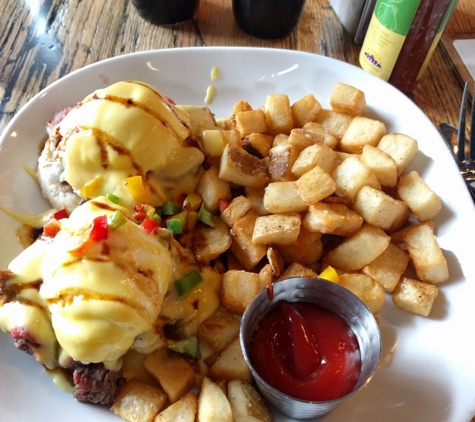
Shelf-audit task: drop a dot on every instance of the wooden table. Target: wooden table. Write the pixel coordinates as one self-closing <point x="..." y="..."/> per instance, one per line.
<point x="41" y="41"/>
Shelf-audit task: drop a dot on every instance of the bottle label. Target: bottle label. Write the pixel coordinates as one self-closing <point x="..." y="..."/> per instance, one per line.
<point x="386" y="34"/>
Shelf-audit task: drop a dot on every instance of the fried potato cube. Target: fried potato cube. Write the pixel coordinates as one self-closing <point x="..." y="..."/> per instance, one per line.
<point x="317" y="129"/>
<point x="252" y="121"/>
<point x="238" y="207"/>
<point x="388" y="267"/>
<point x="297" y="270"/>
<point x="427" y="257"/>
<point x="281" y="197"/>
<point x="276" y="261"/>
<point x="348" y="99"/>
<point x="139" y="402"/>
<point x="238" y="289"/>
<point x="248" y="253"/>
<point x="281" y="159"/>
<point x="315" y="155"/>
<point x="212" y="188"/>
<point x="367" y="289"/>
<point x="210" y="242"/>
<point x="415" y="296"/>
<point x="400" y="147"/>
<point x="257" y="144"/>
<point x="307" y="250"/>
<point x="358" y="250"/>
<point x="246" y="403"/>
<point x="238" y="166"/>
<point x="256" y="196"/>
<point x="360" y="132"/>
<point x="280" y="229"/>
<point x="335" y="219"/>
<point x="351" y="175"/>
<point x="241" y="105"/>
<point x="380" y="209"/>
<point x="280" y="139"/>
<point x="342" y="156"/>
<point x="398" y="237"/>
<point x="381" y="164"/>
<point x="184" y="410"/>
<point x="171" y="371"/>
<point x="213" y="405"/>
<point x="333" y="122"/>
<point x="303" y="139"/>
<point x="278" y="114"/>
<point x="219" y="330"/>
<point x="315" y="185"/>
<point x="305" y="110"/>
<point x="231" y="364"/>
<point x="420" y="198"/>
<point x="266" y="276"/>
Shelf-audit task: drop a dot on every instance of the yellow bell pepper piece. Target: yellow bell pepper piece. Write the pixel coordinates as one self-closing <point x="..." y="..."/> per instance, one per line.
<point x="137" y="188"/>
<point x="192" y="220"/>
<point x="192" y="202"/>
<point x="91" y="189"/>
<point x="330" y="274"/>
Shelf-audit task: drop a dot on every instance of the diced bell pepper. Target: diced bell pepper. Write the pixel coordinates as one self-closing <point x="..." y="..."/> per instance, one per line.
<point x="113" y="198"/>
<point x="188" y="282"/>
<point x="189" y="347"/>
<point x="330" y="274"/>
<point x="137" y="188"/>
<point x="193" y="202"/>
<point x="205" y="216"/>
<point x="222" y="204"/>
<point x="100" y="228"/>
<point x="150" y="225"/>
<point x="59" y="215"/>
<point x="177" y="223"/>
<point x="191" y="220"/>
<point x="51" y="228"/>
<point x="117" y="220"/>
<point x="170" y="208"/>
<point x="91" y="189"/>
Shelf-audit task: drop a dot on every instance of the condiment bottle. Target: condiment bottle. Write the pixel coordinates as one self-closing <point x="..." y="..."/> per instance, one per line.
<point x="166" y="12"/>
<point x="402" y="37"/>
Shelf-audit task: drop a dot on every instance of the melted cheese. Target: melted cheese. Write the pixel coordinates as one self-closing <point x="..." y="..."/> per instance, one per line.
<point x="197" y="305"/>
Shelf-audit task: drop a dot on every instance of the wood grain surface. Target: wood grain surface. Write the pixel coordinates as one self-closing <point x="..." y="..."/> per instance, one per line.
<point x="43" y="40"/>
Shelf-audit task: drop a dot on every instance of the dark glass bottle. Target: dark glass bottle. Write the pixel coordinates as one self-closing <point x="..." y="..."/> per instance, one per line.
<point x="166" y="12"/>
<point x="268" y="18"/>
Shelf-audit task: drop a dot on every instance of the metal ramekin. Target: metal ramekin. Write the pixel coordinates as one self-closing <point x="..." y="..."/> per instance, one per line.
<point x="330" y="296"/>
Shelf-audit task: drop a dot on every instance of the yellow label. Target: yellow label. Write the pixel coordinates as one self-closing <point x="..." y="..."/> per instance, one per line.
<point x="380" y="49"/>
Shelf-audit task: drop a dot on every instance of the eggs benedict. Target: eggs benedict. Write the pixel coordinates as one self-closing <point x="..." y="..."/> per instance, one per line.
<point x="89" y="296"/>
<point x="127" y="129"/>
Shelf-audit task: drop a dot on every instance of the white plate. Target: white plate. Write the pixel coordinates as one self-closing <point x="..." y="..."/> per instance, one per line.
<point x="427" y="371"/>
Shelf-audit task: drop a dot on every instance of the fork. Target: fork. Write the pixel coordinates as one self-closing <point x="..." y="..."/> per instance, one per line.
<point x="464" y="150"/>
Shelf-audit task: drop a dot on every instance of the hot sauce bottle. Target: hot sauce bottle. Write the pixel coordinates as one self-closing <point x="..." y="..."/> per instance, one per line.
<point x="402" y="37"/>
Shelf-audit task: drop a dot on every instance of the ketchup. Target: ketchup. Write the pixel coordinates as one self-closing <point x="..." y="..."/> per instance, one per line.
<point x="306" y="352"/>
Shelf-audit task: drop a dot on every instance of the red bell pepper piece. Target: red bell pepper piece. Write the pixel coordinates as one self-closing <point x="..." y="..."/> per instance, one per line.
<point x="100" y="228"/>
<point x="223" y="204"/>
<point x="99" y="231"/>
<point x="150" y="225"/>
<point x="51" y="228"/>
<point x="59" y="215"/>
